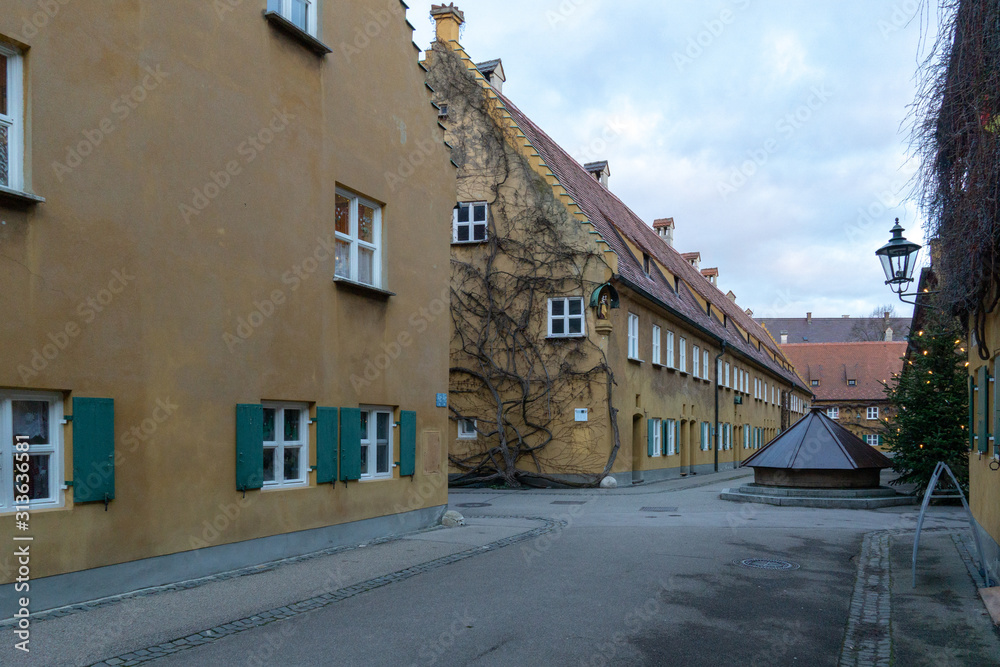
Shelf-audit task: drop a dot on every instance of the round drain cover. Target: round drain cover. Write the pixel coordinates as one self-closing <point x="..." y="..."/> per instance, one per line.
<point x="767" y="564"/>
<point x="473" y="505"/>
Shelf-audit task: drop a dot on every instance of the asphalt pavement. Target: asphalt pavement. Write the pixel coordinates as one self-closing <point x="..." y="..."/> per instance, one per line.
<point x="660" y="574"/>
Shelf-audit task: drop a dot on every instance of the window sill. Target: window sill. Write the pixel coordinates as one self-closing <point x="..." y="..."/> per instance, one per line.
<point x="570" y="337"/>
<point x="483" y="242"/>
<point x="296" y="33"/>
<point x="658" y="365"/>
<point x="361" y="288"/>
<point x="380" y="478"/>
<point x="638" y="362"/>
<point x="19" y="197"/>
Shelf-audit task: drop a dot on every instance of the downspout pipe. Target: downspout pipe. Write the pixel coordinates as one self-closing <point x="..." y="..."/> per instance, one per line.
<point x="717" y="384"/>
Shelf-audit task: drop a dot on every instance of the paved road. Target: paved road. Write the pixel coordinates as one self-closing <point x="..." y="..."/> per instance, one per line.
<point x="641" y="576"/>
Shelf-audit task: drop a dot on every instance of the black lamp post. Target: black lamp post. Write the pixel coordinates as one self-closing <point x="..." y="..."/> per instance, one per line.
<point x="899" y="259"/>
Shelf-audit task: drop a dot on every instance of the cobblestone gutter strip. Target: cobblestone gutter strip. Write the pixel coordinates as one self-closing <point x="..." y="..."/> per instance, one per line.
<point x="869" y="640"/>
<point x="151" y="653"/>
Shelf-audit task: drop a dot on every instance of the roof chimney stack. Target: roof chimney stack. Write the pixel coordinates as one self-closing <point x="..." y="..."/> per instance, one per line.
<point x="665" y="229"/>
<point x="731" y="296"/>
<point x="693" y="258"/>
<point x="599" y="170"/>
<point x="449" y="20"/>
<point x="493" y="71"/>
<point x="784" y="338"/>
<point x="809" y="318"/>
<point x="712" y="275"/>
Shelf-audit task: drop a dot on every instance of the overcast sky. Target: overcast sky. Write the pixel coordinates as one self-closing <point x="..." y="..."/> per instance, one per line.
<point x="765" y="128"/>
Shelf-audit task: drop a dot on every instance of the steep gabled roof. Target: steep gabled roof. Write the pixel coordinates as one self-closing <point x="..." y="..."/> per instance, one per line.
<point x="831" y="329"/>
<point x="615" y="222"/>
<point x="833" y="364"/>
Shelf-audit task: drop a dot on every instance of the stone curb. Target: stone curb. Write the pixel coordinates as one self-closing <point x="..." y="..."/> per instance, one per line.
<point x="639" y="490"/>
<point x="216" y="633"/>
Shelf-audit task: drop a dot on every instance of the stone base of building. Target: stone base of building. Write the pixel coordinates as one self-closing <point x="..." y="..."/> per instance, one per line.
<point x="991" y="553"/>
<point x="97" y="583"/>
<point x="850" y="499"/>
<point x="627" y="479"/>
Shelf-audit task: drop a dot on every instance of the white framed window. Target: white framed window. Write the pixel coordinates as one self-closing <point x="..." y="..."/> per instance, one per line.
<point x="376" y="443"/>
<point x="833" y="413"/>
<point x="657" y="426"/>
<point x="11" y="119"/>
<point x="706" y="436"/>
<point x="872" y="413"/>
<point x="696" y="361"/>
<point x="358" y="229"/>
<point x="872" y="440"/>
<point x="286" y="444"/>
<point x="718" y="372"/>
<point x="301" y="13"/>
<point x="470" y="222"/>
<point x="467" y="429"/>
<point x="670" y="349"/>
<point x="34" y="418"/>
<point x="682" y="363"/>
<point x="727" y="436"/>
<point x="705" y="368"/>
<point x="566" y="317"/>
<point x="656" y="344"/>
<point x="671" y="437"/>
<point x="726" y="383"/>
<point x="633" y="336"/>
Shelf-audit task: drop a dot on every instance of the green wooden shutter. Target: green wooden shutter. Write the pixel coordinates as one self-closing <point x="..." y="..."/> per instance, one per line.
<point x="326" y="445"/>
<point x="996" y="411"/>
<point x="407" y="443"/>
<point x="93" y="450"/>
<point x="972" y="413"/>
<point x="249" y="447"/>
<point x="649" y="437"/>
<point x="350" y="444"/>
<point x="983" y="409"/>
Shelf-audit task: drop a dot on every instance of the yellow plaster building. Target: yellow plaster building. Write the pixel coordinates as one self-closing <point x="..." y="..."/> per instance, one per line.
<point x="646" y="370"/>
<point x="219" y="258"/>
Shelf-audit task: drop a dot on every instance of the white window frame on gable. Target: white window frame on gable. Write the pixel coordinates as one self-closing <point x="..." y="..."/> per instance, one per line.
<point x="872" y="414"/>
<point x="696" y="361"/>
<point x="682" y="361"/>
<point x="12" y="120"/>
<point x="372" y="441"/>
<point x="670" y="349"/>
<point x="833" y="413"/>
<point x="567" y="313"/>
<point x="282" y="443"/>
<point x="467" y="429"/>
<point x="52" y="449"/>
<point x="474" y="229"/>
<point x="633" y="336"/>
<point x="299" y="11"/>
<point x="355" y="242"/>
<point x="656" y="344"/>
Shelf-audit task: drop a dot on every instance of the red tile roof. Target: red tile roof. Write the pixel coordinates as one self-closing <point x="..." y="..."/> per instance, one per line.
<point x="833" y="364"/>
<point x="616" y="221"/>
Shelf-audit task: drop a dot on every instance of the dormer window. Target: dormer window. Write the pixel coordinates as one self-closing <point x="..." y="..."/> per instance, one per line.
<point x="442" y="111"/>
<point x="815" y="383"/>
<point x="645" y="264"/>
<point x="852" y="383"/>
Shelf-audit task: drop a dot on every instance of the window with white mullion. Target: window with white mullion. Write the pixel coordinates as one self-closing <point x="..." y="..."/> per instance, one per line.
<point x="682" y="363"/>
<point x="358" y="232"/>
<point x="566" y="317"/>
<point x="11" y="120"/>
<point x="470" y="222"/>
<point x="302" y="13"/>
<point x="376" y="443"/>
<point x="670" y="349"/>
<point x="656" y="344"/>
<point x="286" y="454"/>
<point x="696" y="361"/>
<point x="35" y="417"/>
<point x="657" y="427"/>
<point x="633" y="336"/>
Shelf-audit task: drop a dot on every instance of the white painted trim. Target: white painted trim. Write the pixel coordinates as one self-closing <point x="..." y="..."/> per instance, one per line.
<point x="14" y="119"/>
<point x="371" y="438"/>
<point x="55" y="448"/>
<point x="566" y="317"/>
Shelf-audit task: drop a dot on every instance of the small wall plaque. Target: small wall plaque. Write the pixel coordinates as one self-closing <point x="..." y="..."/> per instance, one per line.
<point x="442" y="400"/>
<point x="582" y="414"/>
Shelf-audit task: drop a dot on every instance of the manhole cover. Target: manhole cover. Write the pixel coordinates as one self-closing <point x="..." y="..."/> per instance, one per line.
<point x="473" y="505"/>
<point x="658" y="509"/>
<point x="767" y="564"/>
<point x="569" y="502"/>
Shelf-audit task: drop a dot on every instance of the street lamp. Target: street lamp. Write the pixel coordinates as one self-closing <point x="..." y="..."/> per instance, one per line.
<point x="899" y="259"/>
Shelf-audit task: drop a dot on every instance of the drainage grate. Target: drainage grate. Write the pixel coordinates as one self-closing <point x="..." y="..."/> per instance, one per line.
<point x="658" y="509"/>
<point x="767" y="564"/>
<point x="473" y="505"/>
<point x="569" y="502"/>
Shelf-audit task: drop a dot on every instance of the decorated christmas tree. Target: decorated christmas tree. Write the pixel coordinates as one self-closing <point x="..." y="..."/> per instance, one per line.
<point x="931" y="405"/>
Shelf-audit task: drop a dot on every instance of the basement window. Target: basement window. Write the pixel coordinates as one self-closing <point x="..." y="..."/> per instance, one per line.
<point x="467" y="429"/>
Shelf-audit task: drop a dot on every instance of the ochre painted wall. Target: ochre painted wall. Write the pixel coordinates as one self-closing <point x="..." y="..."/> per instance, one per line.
<point x="360" y="120"/>
<point x="984" y="483"/>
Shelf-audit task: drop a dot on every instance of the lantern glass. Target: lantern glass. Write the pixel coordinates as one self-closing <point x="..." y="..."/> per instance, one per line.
<point x="898" y="257"/>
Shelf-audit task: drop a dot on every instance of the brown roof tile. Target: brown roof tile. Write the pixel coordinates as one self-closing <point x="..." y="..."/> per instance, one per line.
<point x="833" y="364"/>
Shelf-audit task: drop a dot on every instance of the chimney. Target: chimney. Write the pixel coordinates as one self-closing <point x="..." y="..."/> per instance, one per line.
<point x="599" y="170"/>
<point x="449" y="19"/>
<point x="665" y="228"/>
<point x="731" y="296"/>
<point x="784" y="338"/>
<point x="712" y="275"/>
<point x="749" y="313"/>
<point x="693" y="258"/>
<point x="809" y="318"/>
<point x="888" y="334"/>
<point x="493" y="71"/>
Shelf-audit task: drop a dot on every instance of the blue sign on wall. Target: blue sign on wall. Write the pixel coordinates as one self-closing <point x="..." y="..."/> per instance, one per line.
<point x="442" y="400"/>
